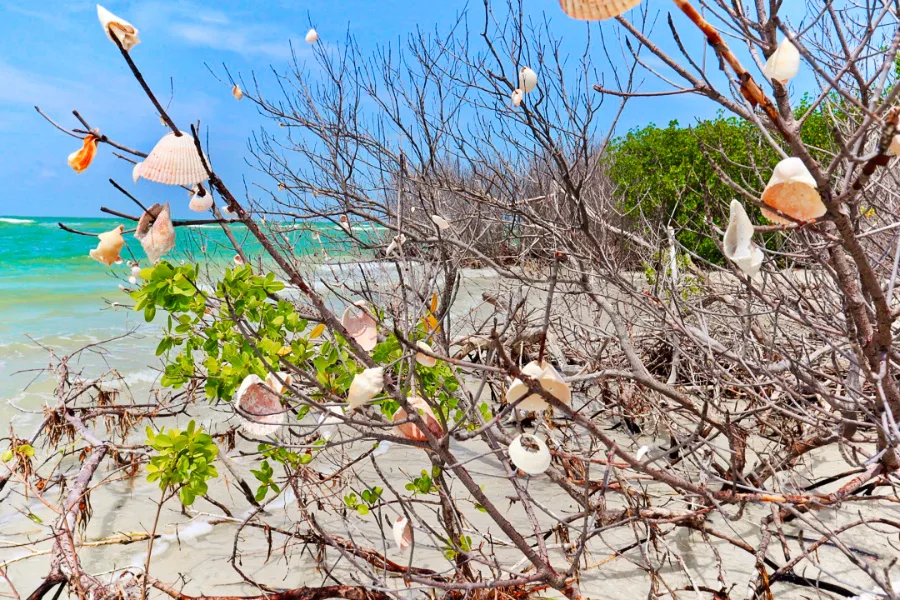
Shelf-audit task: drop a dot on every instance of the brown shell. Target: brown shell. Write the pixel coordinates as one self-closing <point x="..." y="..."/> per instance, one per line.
<point x="797" y="200"/>
<point x="596" y="10"/>
<point x="410" y="430"/>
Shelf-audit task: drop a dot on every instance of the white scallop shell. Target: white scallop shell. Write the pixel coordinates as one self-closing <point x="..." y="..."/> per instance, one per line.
<point x="365" y="386"/>
<point x="109" y="246"/>
<point x="402" y="533"/>
<point x="424" y="359"/>
<point x="122" y="29"/>
<point x="530" y="454"/>
<point x="784" y="64"/>
<point x="201" y="203"/>
<point x="738" y="241"/>
<point x="792" y="190"/>
<point x="360" y="325"/>
<point x="550" y="380"/>
<point x="259" y="407"/>
<point x="173" y="161"/>
<point x="312" y="36"/>
<point x="155" y="231"/>
<point x="527" y="79"/>
<point x="596" y="10"/>
<point x="440" y="221"/>
<point x="517" y="97"/>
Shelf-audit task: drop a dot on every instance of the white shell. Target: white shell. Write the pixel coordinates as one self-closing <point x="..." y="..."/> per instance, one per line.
<point x="424" y="359"/>
<point x="792" y="190"/>
<point x="550" y="380"/>
<point x="135" y="271"/>
<point x="395" y="244"/>
<point x="345" y="223"/>
<point x="238" y="260"/>
<point x="159" y="238"/>
<point x="402" y="533"/>
<point x="132" y="280"/>
<point x="227" y="210"/>
<point x="201" y="203"/>
<point x="530" y="454"/>
<point x="642" y="452"/>
<point x="312" y="36"/>
<point x="517" y="97"/>
<point x="440" y="221"/>
<point x="173" y="161"/>
<point x="596" y="10"/>
<point x="784" y="64"/>
<point x="237" y="92"/>
<point x="136" y="172"/>
<point x="738" y="242"/>
<point x="261" y="404"/>
<point x="122" y="29"/>
<point x="527" y="79"/>
<point x="360" y="325"/>
<point x="109" y="246"/>
<point x="365" y="386"/>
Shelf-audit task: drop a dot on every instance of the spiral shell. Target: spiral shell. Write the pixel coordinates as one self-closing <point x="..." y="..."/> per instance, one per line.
<point x="173" y="161"/>
<point x="550" y="381"/>
<point x="155" y="231"/>
<point x="81" y="159"/>
<point x="365" y="386"/>
<point x="516" y="97"/>
<point x="596" y="10"/>
<point x="237" y="92"/>
<point x="441" y="222"/>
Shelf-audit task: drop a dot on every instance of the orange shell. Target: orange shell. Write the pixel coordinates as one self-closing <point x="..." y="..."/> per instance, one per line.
<point x="792" y="191"/>
<point x="596" y="10"/>
<point x="410" y="430"/>
<point x="81" y="159"/>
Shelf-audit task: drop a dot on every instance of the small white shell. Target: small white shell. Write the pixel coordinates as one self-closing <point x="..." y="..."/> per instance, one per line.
<point x="596" y="10"/>
<point x="109" y="246"/>
<point x="550" y="380"/>
<point x="784" y="64"/>
<point x="227" y="210"/>
<point x="792" y="190"/>
<point x="738" y="241"/>
<point x="132" y="280"/>
<point x="122" y="29"/>
<point x="527" y="79"/>
<point x="395" y="244"/>
<point x="136" y="172"/>
<point x="517" y="97"/>
<point x="530" y="454"/>
<point x="345" y="223"/>
<point x="312" y="36"/>
<point x="157" y="238"/>
<point x="365" y="386"/>
<point x="135" y="271"/>
<point x="402" y="533"/>
<point x="360" y="325"/>
<point x="424" y="359"/>
<point x="237" y="92"/>
<point x="642" y="452"/>
<point x="440" y="221"/>
<point x="173" y="161"/>
<point x="201" y="203"/>
<point x="262" y="406"/>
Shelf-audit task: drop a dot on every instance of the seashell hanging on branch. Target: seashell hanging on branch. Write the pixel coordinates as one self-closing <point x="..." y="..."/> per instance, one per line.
<point x="312" y="36"/>
<point x="738" y="241"/>
<point x="410" y="430"/>
<point x="441" y="222"/>
<point x="530" y="454"/>
<point x="402" y="533"/>
<point x="527" y="79"/>
<point x="365" y="386"/>
<point x="784" y="64"/>
<point x="237" y="92"/>
<point x="201" y="203"/>
<point x="551" y="381"/>
<point x="259" y="404"/>
<point x="173" y="161"/>
<point x="596" y="10"/>
<point x="116" y="26"/>
<point x="425" y="359"/>
<point x="360" y="325"/>
<point x="81" y="159"/>
<point x="155" y="231"/>
<point x="792" y="191"/>
<point x="516" y="97"/>
<point x="109" y="246"/>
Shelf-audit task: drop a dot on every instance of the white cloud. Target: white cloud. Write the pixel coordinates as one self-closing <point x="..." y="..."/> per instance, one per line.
<point x="248" y="40"/>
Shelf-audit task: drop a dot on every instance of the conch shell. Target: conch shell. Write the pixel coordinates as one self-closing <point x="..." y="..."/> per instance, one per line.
<point x="738" y="242"/>
<point x="784" y="64"/>
<point x="155" y="231"/>
<point x="107" y="250"/>
<point x="550" y="381"/>
<point x="596" y="10"/>
<point x="361" y="326"/>
<point x="402" y="533"/>
<point x="530" y="454"/>
<point x="201" y="203"/>
<point x="792" y="190"/>
<point x="259" y="404"/>
<point x="365" y="386"/>
<point x="527" y="79"/>
<point x="81" y="159"/>
<point x="173" y="161"/>
<point x="122" y="29"/>
<point x="410" y="430"/>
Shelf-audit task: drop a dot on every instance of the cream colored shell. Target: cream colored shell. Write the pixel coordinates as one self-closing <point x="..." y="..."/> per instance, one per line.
<point x="550" y="381"/>
<point x="530" y="454"/>
<point x="527" y="79"/>
<point x="402" y="533"/>
<point x="365" y="386"/>
<point x="596" y="10"/>
<point x="122" y="29"/>
<point x="109" y="246"/>
<point x="201" y="203"/>
<point x="738" y="241"/>
<point x="784" y="64"/>
<point x="155" y="231"/>
<point x="173" y="161"/>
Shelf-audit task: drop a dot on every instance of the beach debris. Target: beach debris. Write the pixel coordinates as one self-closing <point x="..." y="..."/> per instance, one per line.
<point x="738" y="242"/>
<point x="259" y="404"/>
<point x="119" y="27"/>
<point x="517" y="97"/>
<point x="410" y="430"/>
<point x="345" y="223"/>
<point x="395" y="244"/>
<point x="402" y="533"/>
<point x="312" y="36"/>
<point x="155" y="231"/>
<point x="441" y="222"/>
<point x="529" y="453"/>
<point x="527" y="79"/>
<point x="784" y="64"/>
<point x="109" y="246"/>
<point x="596" y="10"/>
<point x="81" y="159"/>
<point x="237" y="92"/>
<point x="360" y="325"/>
<point x="329" y="420"/>
<point x="792" y="191"/>
<point x="365" y="386"/>
<point x="642" y="452"/>
<point x="425" y="359"/>
<point x="173" y="161"/>
<point x="201" y="201"/>
<point x="551" y="381"/>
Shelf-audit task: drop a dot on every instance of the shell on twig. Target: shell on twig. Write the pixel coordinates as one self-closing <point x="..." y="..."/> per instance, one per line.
<point x="259" y="403"/>
<point x="596" y="10"/>
<point x="516" y="97"/>
<point x="173" y="161"/>
<point x="551" y="381"/>
<point x="530" y="454"/>
<point x="402" y="533"/>
<point x="441" y="222"/>
<point x="792" y="191"/>
<point x="155" y="231"/>
<point x="738" y="241"/>
<point x="365" y="386"/>
<point x="784" y="64"/>
<point x="201" y="203"/>
<point x="237" y="92"/>
<point x="410" y="430"/>
<point x="425" y="359"/>
<point x="116" y="26"/>
<point x="81" y="159"/>
<point x="396" y="244"/>
<point x="527" y="79"/>
<point x="109" y="246"/>
<point x="312" y="36"/>
<point x="360" y="325"/>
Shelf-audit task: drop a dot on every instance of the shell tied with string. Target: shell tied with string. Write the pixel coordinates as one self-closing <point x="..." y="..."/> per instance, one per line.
<point x="173" y="161"/>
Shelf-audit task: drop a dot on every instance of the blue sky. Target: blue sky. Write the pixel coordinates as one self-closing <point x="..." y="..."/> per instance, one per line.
<point x="54" y="54"/>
